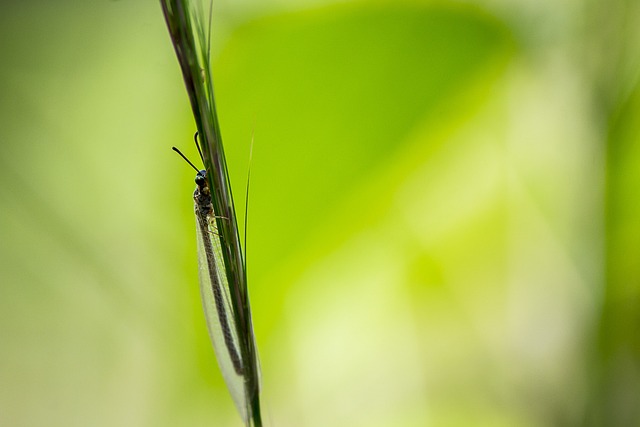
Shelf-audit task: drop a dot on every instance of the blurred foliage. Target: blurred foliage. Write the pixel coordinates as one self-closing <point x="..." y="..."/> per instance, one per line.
<point x="442" y="226"/>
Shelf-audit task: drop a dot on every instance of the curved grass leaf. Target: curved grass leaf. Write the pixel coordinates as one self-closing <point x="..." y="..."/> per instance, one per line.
<point x="189" y="26"/>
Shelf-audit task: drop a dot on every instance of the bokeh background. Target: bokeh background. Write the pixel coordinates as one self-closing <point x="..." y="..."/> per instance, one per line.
<point x="443" y="224"/>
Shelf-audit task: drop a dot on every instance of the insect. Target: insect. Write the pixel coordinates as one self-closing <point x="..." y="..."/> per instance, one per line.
<point x="214" y="289"/>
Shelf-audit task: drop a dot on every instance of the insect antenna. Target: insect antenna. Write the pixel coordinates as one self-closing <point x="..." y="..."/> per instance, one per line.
<point x="195" y="137"/>
<point x="185" y="158"/>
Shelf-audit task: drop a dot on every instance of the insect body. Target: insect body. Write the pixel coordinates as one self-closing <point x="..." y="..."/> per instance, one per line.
<point x="207" y="235"/>
<point x="214" y="288"/>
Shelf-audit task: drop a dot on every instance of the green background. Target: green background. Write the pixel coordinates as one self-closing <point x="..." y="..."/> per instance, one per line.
<point x="444" y="228"/>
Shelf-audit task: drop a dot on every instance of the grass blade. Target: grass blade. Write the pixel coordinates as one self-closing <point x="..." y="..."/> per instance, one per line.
<point x="189" y="26"/>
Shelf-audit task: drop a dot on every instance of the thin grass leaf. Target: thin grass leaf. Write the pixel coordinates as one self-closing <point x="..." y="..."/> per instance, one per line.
<point x="189" y="24"/>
